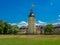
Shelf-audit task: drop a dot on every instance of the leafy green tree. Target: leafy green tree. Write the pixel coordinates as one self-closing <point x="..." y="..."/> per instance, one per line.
<point x="49" y="29"/>
<point x="15" y="29"/>
<point x="1" y="26"/>
<point x="6" y="28"/>
<point x="0" y="30"/>
<point x="10" y="31"/>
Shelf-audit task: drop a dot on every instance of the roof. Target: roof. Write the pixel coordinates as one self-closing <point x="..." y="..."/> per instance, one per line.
<point x="31" y="13"/>
<point x="57" y="27"/>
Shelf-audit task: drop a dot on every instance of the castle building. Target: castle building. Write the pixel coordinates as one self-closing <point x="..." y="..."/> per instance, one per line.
<point x="32" y="28"/>
<point x="31" y="23"/>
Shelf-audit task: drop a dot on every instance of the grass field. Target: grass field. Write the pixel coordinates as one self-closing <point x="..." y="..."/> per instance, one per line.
<point x="29" y="39"/>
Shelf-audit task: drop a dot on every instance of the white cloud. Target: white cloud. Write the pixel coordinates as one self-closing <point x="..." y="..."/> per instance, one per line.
<point x="13" y="24"/>
<point x="58" y="15"/>
<point x="55" y="24"/>
<point x="41" y="23"/>
<point x="24" y="23"/>
<point x="20" y="24"/>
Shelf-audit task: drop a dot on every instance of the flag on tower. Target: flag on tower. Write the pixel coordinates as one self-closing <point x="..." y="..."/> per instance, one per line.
<point x="33" y="5"/>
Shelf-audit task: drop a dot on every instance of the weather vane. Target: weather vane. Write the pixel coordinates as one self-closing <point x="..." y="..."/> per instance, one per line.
<point x="33" y="4"/>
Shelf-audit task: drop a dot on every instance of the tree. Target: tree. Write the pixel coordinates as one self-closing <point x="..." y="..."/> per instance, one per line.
<point x="0" y="30"/>
<point x="1" y="26"/>
<point x="10" y="31"/>
<point x="6" y="28"/>
<point x="49" y="29"/>
<point x="15" y="29"/>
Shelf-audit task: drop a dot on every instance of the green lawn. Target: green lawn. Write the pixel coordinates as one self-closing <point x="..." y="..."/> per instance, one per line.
<point x="33" y="40"/>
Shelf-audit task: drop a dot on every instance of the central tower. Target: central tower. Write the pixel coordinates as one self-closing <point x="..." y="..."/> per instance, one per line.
<point x="31" y="23"/>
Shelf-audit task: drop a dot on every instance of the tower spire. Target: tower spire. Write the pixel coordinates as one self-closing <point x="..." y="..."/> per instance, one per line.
<point x="32" y="5"/>
<point x="32" y="11"/>
<point x="31" y="22"/>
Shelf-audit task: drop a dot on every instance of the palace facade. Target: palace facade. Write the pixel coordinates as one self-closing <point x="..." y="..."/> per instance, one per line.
<point x="32" y="28"/>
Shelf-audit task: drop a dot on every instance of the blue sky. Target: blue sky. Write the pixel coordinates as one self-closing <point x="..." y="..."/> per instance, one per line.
<point x="15" y="11"/>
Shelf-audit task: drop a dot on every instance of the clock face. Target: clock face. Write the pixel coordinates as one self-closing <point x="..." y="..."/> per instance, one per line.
<point x="32" y="14"/>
